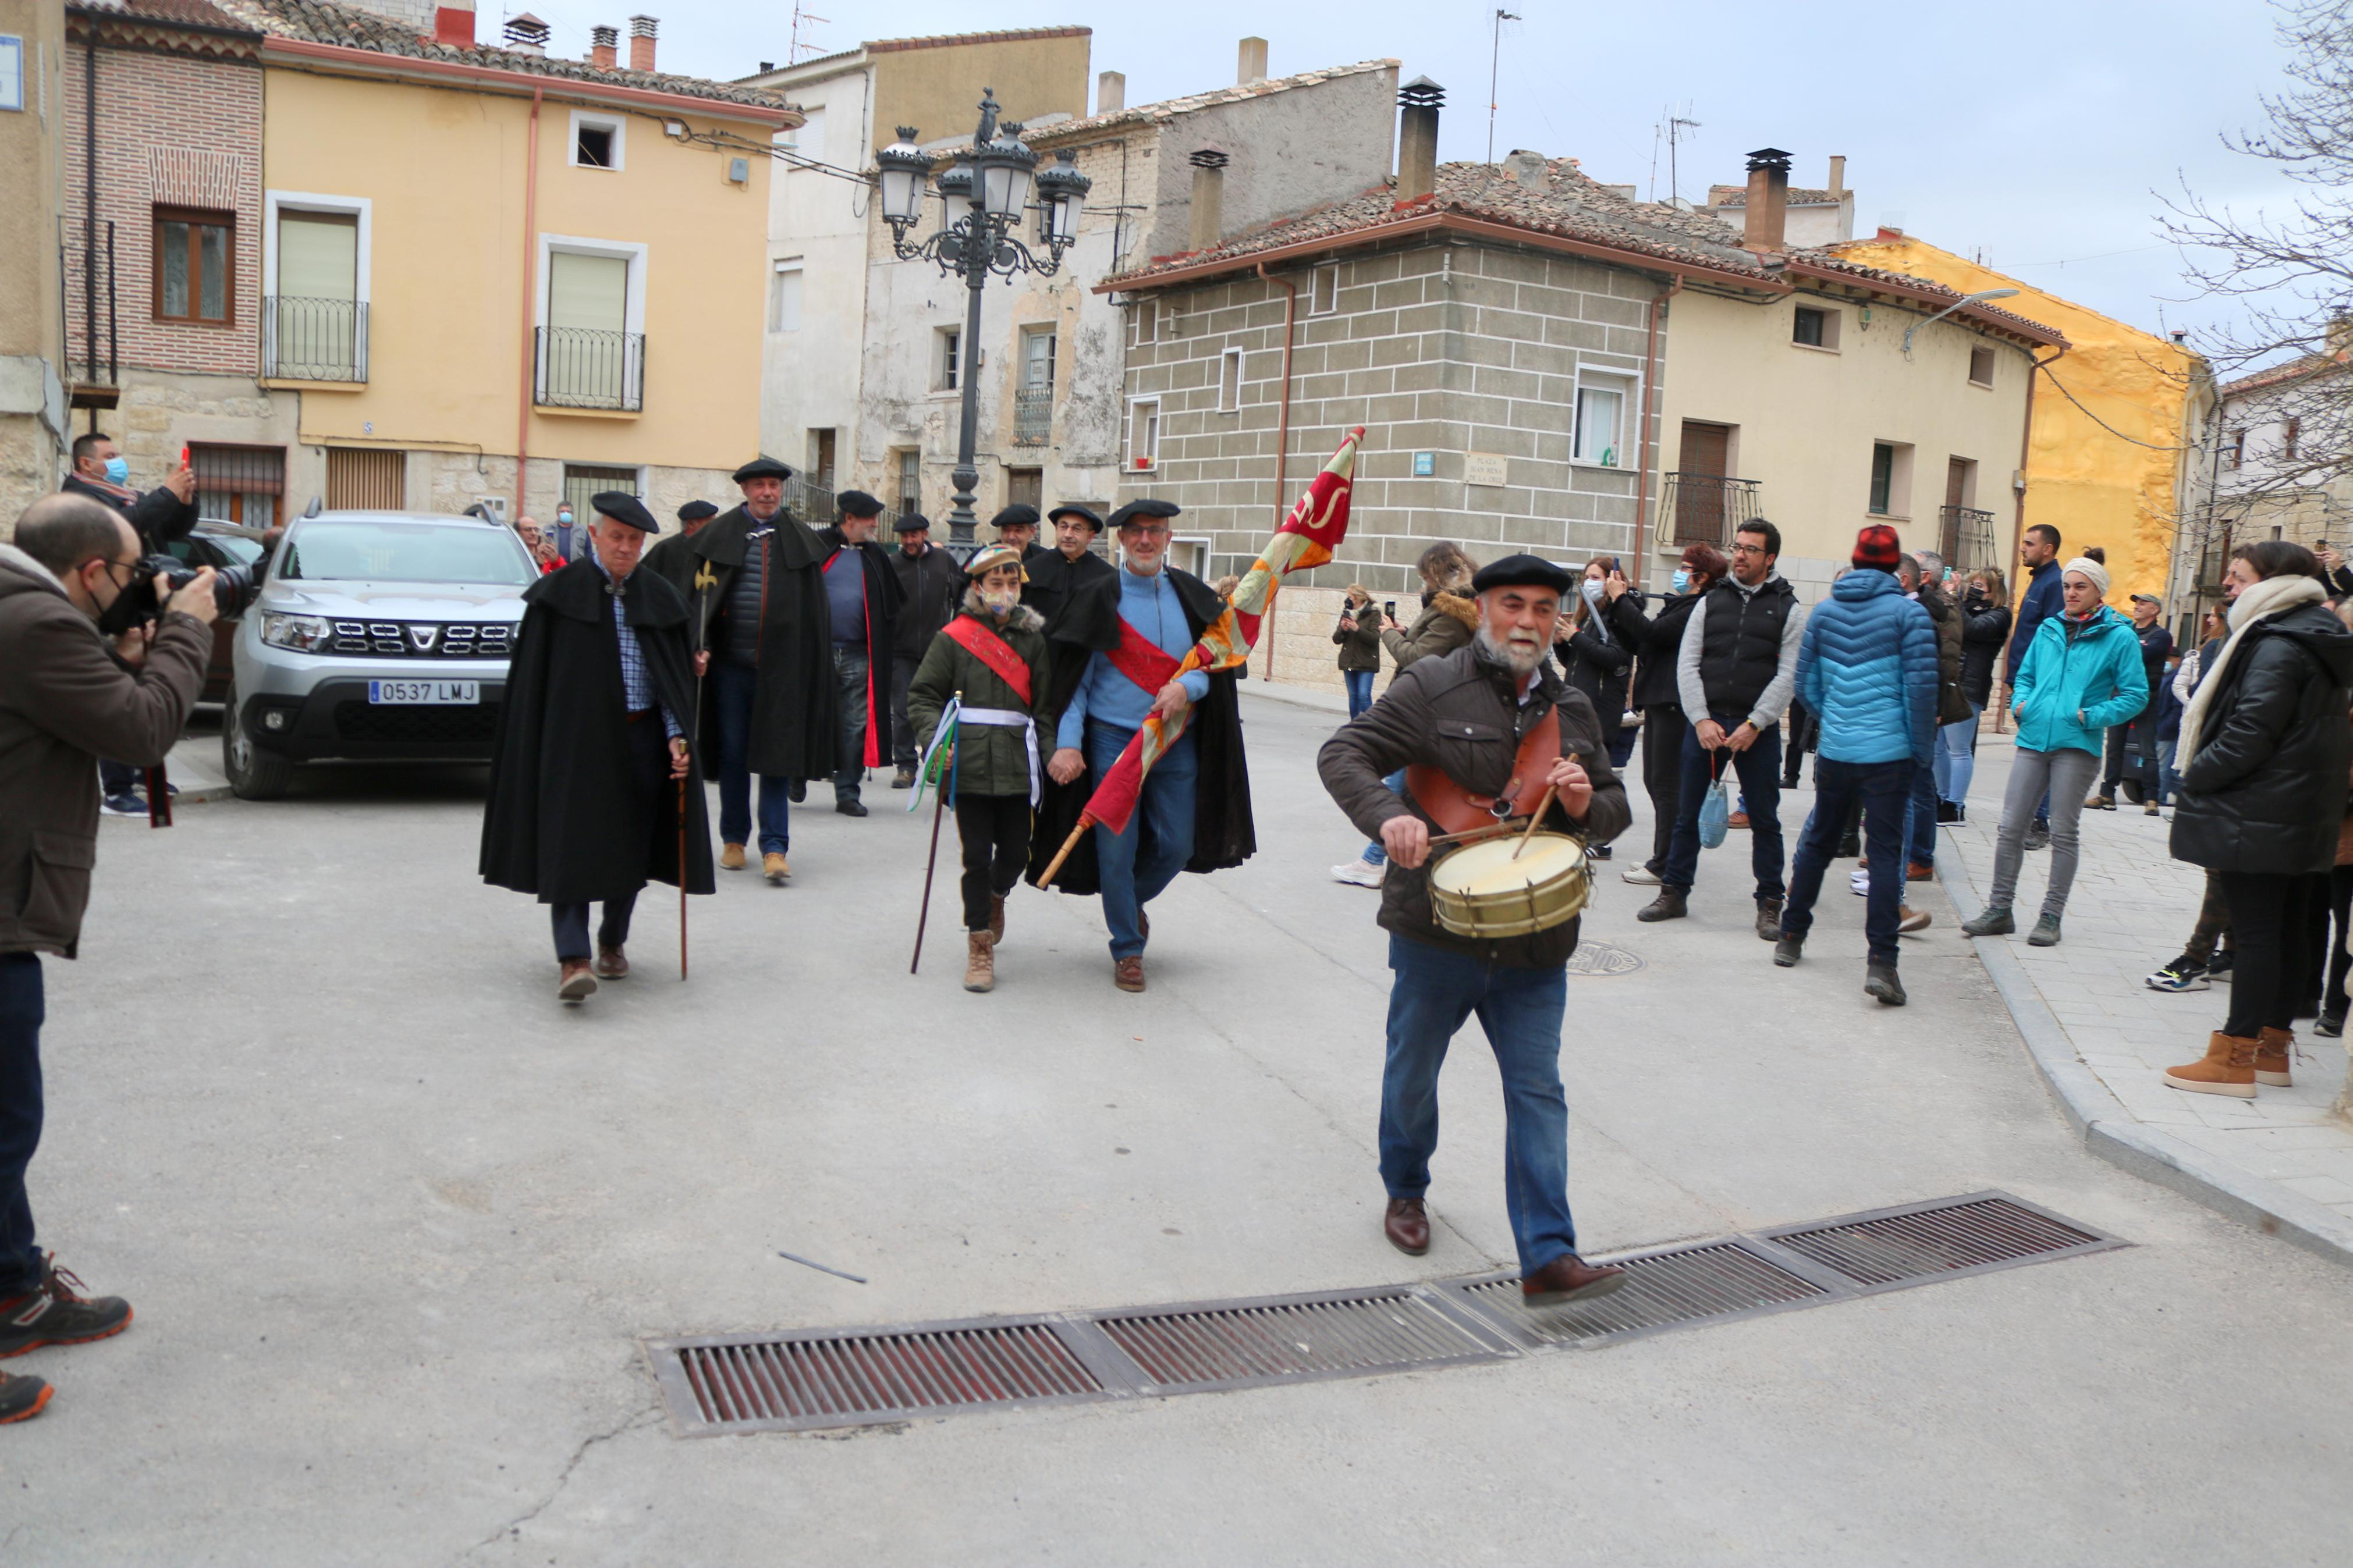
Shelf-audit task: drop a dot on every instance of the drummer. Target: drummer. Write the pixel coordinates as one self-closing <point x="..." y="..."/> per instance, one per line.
<point x="1484" y="732"/>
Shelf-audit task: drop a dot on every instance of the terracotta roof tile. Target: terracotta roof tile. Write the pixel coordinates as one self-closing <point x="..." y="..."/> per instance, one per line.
<point x="946" y="40"/>
<point x="187" y="13"/>
<point x="1800" y="196"/>
<point x="1170" y="108"/>
<point x="2287" y="370"/>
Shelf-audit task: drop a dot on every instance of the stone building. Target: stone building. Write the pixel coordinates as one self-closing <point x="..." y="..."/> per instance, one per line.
<point x="33" y="392"/>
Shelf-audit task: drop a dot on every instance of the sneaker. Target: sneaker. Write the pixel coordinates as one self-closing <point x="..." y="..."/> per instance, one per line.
<point x="2184" y="973"/>
<point x="1787" y="949"/>
<point x="1879" y="981"/>
<point x="1909" y="919"/>
<point x="2039" y="837"/>
<point x="2331" y="1023"/>
<point x="1736" y="821"/>
<point x="1995" y="922"/>
<point x="1641" y="876"/>
<point x="56" y="1312"/>
<point x="127" y="804"/>
<point x="2045" y="933"/>
<point x="1597" y="852"/>
<point x="22" y="1397"/>
<point x="1948" y="812"/>
<point x="2219" y="966"/>
<point x="2100" y="803"/>
<point x="1360" y="873"/>
<point x="1857" y="881"/>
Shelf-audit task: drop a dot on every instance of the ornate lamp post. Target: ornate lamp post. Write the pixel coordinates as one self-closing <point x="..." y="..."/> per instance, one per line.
<point x="986" y="193"/>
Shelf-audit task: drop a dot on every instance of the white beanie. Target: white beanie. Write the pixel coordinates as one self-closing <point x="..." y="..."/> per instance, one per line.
<point x="2091" y="569"/>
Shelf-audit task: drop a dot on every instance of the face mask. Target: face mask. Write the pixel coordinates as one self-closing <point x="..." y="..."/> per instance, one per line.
<point x="1593" y="592"/>
<point x="124" y="613"/>
<point x="118" y="471"/>
<point x="564" y="518"/>
<point x="1682" y="580"/>
<point x="1001" y="601"/>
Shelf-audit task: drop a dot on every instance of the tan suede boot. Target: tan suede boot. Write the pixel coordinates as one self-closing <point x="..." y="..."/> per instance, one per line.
<point x="996" y="917"/>
<point x="2228" y="1067"/>
<point x="2273" y="1049"/>
<point x="981" y="962"/>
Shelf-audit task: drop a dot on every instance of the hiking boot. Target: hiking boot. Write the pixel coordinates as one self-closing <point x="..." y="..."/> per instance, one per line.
<point x="21" y="1398"/>
<point x="1568" y="1278"/>
<point x="2227" y="1067"/>
<point x="1879" y="981"/>
<point x="849" y="805"/>
<point x="772" y="866"/>
<point x="731" y="857"/>
<point x="1127" y="973"/>
<point x="904" y="778"/>
<point x="996" y="919"/>
<point x="2100" y="803"/>
<point x="2273" y="1049"/>
<point x="612" y="963"/>
<point x="2151" y="809"/>
<point x="1909" y="919"/>
<point x="1787" y="949"/>
<point x="56" y="1312"/>
<point x="576" y="982"/>
<point x="1361" y="873"/>
<point x="1667" y="906"/>
<point x="2184" y="973"/>
<point x="1768" y="919"/>
<point x="1916" y="872"/>
<point x="1995" y="922"/>
<point x="979" y="962"/>
<point x="2037" y="836"/>
<point x="1639" y="875"/>
<point x="2045" y="933"/>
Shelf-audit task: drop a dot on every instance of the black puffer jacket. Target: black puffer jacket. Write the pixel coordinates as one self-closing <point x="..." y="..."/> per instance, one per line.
<point x="1655" y="639"/>
<point x="2266" y="790"/>
<point x="1985" y="631"/>
<point x="1952" y="707"/>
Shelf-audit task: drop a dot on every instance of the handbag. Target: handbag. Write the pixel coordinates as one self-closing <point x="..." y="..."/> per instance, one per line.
<point x="1715" y="809"/>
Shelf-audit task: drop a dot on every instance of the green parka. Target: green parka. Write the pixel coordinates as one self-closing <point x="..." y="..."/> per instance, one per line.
<point x="990" y="760"/>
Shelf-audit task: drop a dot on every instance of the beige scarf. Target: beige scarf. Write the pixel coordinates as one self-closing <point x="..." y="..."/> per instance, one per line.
<point x="2272" y="596"/>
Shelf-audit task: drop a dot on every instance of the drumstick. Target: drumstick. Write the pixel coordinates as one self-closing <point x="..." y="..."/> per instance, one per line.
<point x="1530" y="832"/>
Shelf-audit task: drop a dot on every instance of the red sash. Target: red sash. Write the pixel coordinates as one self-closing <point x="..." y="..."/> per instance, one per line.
<point x="1142" y="660"/>
<point x="1457" y="810"/>
<point x="993" y="651"/>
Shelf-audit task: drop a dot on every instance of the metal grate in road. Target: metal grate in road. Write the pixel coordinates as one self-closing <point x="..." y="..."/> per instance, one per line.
<point x="1888" y="1248"/>
<point x="1229" y="1345"/>
<point x="1670" y="1289"/>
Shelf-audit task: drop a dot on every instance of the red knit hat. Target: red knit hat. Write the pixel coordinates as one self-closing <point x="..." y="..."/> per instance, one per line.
<point x="1876" y="546"/>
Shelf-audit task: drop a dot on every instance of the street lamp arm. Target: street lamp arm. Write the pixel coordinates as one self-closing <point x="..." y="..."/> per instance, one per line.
<point x="1979" y="297"/>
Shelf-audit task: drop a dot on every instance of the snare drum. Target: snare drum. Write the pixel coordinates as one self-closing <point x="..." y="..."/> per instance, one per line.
<point x="1480" y="891"/>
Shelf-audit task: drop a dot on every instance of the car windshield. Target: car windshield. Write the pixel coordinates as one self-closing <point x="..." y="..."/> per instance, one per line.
<point x="237" y="547"/>
<point x="407" y="552"/>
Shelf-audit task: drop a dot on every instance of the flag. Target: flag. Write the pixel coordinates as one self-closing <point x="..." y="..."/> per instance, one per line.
<point x="1307" y="538"/>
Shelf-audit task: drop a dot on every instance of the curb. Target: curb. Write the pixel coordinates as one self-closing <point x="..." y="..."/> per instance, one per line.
<point x="2112" y="1133"/>
<point x="1298" y="697"/>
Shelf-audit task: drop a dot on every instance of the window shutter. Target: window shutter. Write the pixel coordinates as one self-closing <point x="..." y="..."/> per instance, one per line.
<point x="590" y="293"/>
<point x="318" y="256"/>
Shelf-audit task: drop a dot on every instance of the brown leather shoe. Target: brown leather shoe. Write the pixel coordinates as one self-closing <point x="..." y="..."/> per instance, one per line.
<point x="2273" y="1049"/>
<point x="612" y="963"/>
<point x="1127" y="973"/>
<point x="577" y="982"/>
<point x="772" y="866"/>
<point x="731" y="857"/>
<point x="1407" y="1225"/>
<point x="1568" y="1278"/>
<point x="1916" y="872"/>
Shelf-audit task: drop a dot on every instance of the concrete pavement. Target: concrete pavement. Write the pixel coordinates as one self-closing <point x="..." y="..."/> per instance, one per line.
<point x="395" y="1223"/>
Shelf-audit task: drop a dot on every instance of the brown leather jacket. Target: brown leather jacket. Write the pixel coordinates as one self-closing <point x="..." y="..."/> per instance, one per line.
<point x="1461" y="714"/>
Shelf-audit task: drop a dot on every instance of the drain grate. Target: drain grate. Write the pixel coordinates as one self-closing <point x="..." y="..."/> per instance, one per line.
<point x="1228" y="1345"/>
<point x="1669" y="1289"/>
<point x="1888" y="1248"/>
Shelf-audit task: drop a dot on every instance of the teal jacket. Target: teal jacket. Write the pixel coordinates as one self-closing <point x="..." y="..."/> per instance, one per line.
<point x="2078" y="677"/>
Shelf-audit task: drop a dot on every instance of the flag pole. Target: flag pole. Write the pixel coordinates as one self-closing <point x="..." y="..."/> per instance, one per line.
<point x="1054" y="867"/>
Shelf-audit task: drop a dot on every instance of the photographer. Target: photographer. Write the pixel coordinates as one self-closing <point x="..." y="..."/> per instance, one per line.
<point x="67" y="697"/>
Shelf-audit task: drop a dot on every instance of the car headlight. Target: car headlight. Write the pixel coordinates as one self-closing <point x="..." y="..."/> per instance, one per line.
<point x="304" y="634"/>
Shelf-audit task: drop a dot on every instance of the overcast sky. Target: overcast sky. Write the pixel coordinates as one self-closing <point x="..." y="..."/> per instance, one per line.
<point x="2037" y="131"/>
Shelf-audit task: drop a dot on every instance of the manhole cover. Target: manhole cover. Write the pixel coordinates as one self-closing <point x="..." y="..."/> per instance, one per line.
<point x="1600" y="958"/>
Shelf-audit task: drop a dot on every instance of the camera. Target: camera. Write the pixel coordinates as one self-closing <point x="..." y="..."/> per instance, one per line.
<point x="234" y="588"/>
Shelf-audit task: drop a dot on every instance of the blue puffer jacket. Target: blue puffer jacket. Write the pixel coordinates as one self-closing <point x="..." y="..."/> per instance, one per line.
<point x="2071" y="688"/>
<point x="1867" y="665"/>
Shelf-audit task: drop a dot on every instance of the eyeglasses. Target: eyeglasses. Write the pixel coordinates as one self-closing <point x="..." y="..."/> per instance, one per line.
<point x="1748" y="550"/>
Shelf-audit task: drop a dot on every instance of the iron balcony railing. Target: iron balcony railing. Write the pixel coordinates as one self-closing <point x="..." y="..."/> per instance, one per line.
<point x="582" y="368"/>
<point x="1706" y="509"/>
<point x="92" y="333"/>
<point x="1033" y="416"/>
<point x="1966" y="538"/>
<point x="314" y="340"/>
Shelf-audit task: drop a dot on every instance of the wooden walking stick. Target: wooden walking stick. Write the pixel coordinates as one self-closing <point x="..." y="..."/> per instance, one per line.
<point x="939" y="804"/>
<point x="682" y="875"/>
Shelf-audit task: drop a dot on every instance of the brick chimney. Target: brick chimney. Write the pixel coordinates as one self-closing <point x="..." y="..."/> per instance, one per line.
<point x="602" y="43"/>
<point x="1111" y="92"/>
<point x="453" y="23"/>
<point x="1765" y="219"/>
<point x="1251" y="65"/>
<point x="526" y="34"/>
<point x="641" y="43"/>
<point x="1418" y="102"/>
<point x="1208" y="209"/>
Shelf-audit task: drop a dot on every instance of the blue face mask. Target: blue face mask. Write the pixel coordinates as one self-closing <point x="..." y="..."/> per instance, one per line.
<point x="564" y="517"/>
<point x="118" y="471"/>
<point x="1681" y="579"/>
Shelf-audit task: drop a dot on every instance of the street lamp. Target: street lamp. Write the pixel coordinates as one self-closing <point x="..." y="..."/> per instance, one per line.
<point x="987" y="192"/>
<point x="1981" y="295"/>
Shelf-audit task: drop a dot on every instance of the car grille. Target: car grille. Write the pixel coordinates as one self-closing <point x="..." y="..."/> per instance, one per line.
<point x="471" y="724"/>
<point x="426" y="639"/>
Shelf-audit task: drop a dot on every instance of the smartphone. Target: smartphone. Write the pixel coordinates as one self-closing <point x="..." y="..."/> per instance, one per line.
<point x="1389" y="610"/>
<point x="184" y="457"/>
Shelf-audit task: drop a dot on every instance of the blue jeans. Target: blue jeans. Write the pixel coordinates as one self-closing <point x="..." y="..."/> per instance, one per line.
<point x="1921" y="819"/>
<point x="1760" y="770"/>
<point x="1359" y="683"/>
<point x="21" y="1010"/>
<point x="1137" y="866"/>
<point x="2169" y="783"/>
<point x="1884" y="789"/>
<point x="849" y="671"/>
<point x="1957" y="757"/>
<point x="1435" y="991"/>
<point x="1373" y="853"/>
<point x="735" y="684"/>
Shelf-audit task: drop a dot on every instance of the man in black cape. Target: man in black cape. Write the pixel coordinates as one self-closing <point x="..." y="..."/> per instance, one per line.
<point x="862" y="598"/>
<point x="586" y="784"/>
<point x="1115" y="648"/>
<point x="1016" y="529"/>
<point x="764" y="642"/>
<point x="1070" y="565"/>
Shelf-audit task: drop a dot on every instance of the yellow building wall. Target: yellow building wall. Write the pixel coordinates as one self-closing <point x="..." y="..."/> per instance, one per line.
<point x="2092" y="487"/>
<point x="937" y="90"/>
<point x="444" y="171"/>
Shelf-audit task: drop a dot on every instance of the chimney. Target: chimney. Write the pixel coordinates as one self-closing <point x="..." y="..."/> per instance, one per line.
<point x="641" y="43"/>
<point x="1838" y="176"/>
<point x="1252" y="66"/>
<point x="602" y="43"/>
<point x="1111" y="92"/>
<point x="1765" y="220"/>
<point x="526" y="35"/>
<point x="1209" y="199"/>
<point x="453" y="23"/>
<point x="1418" y="102"/>
<point x="1530" y="169"/>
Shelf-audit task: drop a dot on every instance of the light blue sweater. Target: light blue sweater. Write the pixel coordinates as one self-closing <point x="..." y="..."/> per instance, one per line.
<point x="1149" y="604"/>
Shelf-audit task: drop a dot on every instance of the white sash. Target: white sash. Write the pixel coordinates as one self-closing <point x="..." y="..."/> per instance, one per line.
<point x="1010" y="719"/>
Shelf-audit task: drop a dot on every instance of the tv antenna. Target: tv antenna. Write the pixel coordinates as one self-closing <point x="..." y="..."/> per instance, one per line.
<point x="1494" y="65"/>
<point x="1676" y="126"/>
<point x="802" y="18"/>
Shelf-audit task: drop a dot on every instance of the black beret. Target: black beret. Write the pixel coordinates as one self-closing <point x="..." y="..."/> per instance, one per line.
<point x="762" y="468"/>
<point x="1522" y="572"/>
<point x="909" y="522"/>
<point x="696" y="511"/>
<point x="1071" y="508"/>
<point x="1017" y="515"/>
<point x="858" y="503"/>
<point x="1136" y="509"/>
<point x="624" y="507"/>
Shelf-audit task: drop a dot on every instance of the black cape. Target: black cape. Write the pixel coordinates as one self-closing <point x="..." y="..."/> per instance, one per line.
<point x="883" y="597"/>
<point x="1224" y="834"/>
<point x="562" y="821"/>
<point x="1053" y="580"/>
<point x="793" y="709"/>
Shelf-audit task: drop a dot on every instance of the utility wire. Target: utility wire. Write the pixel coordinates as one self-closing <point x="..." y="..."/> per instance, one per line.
<point x="2108" y="428"/>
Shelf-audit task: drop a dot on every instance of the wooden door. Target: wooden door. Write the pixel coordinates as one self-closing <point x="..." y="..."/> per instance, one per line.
<point x="1700" y="470"/>
<point x="363" y="479"/>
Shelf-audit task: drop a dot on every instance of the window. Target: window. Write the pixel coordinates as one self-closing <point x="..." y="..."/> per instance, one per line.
<point x="582" y="481"/>
<point x="1883" y="477"/>
<point x="1144" y="434"/>
<point x="11" y="73"/>
<point x="951" y="359"/>
<point x="1813" y="327"/>
<point x="313" y="325"/>
<point x="821" y="447"/>
<point x="592" y="312"/>
<point x="597" y="141"/>
<point x="1324" y="291"/>
<point x="1981" y="367"/>
<point x="2237" y="448"/>
<point x="238" y="484"/>
<point x="1230" y="381"/>
<point x="910" y="480"/>
<point x="1025" y="487"/>
<point x="784" y="298"/>
<point x="1147" y="321"/>
<point x="1600" y="421"/>
<point x="2289" y="436"/>
<point x="196" y="266"/>
<point x="1038" y="359"/>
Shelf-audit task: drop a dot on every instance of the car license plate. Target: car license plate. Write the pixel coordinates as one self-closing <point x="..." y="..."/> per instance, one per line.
<point x="431" y="692"/>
